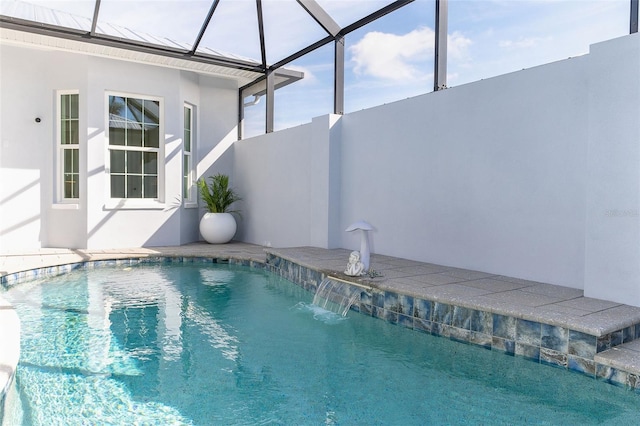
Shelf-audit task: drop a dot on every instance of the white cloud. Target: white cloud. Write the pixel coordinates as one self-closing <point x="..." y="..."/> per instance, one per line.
<point x="401" y="57"/>
<point x="391" y="56"/>
<point x="458" y="46"/>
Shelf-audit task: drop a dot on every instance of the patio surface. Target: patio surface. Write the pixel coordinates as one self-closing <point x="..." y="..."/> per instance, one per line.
<point x="550" y="304"/>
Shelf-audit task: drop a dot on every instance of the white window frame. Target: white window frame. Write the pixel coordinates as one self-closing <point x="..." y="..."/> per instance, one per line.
<point x="157" y="203"/>
<point x="61" y="200"/>
<point x="189" y="195"/>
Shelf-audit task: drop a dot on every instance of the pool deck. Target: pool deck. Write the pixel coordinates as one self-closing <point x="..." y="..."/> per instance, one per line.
<point x="533" y="301"/>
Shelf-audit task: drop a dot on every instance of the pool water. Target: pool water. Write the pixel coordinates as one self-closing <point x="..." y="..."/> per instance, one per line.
<point x="209" y="344"/>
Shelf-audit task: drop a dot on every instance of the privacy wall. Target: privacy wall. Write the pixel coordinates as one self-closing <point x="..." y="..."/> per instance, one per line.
<point x="512" y="175"/>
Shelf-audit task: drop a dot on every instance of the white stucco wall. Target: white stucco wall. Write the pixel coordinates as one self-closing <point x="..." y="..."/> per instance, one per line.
<point x="289" y="182"/>
<point x="486" y="176"/>
<point x="29" y="214"/>
<point x="612" y="259"/>
<point x="534" y="174"/>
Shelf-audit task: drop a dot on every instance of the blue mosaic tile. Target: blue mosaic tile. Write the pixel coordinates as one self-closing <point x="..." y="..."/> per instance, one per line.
<point x="405" y="304"/>
<point x="439" y="329"/>
<point x="581" y="344"/>
<point x="554" y="338"/>
<point x="481" y="321"/>
<point x="504" y="327"/>
<point x="442" y="313"/>
<point x="528" y="351"/>
<point x="390" y="316"/>
<point x="423" y="325"/>
<point x="422" y="309"/>
<point x="528" y="332"/>
<point x="391" y="301"/>
<point x="615" y="377"/>
<point x="405" y="321"/>
<point x="366" y="309"/>
<point x="481" y="339"/>
<point x="581" y="365"/>
<point x="617" y="337"/>
<point x="365" y="298"/>
<point x="459" y="334"/>
<point x="504" y="345"/>
<point x="461" y="317"/>
<point x="377" y="312"/>
<point x="377" y="299"/>
<point x="554" y="358"/>
<point x="603" y="343"/>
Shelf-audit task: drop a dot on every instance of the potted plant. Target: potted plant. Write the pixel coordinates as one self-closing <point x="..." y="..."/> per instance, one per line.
<point x="218" y="226"/>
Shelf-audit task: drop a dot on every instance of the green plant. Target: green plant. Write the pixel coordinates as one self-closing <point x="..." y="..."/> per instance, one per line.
<point x="217" y="194"/>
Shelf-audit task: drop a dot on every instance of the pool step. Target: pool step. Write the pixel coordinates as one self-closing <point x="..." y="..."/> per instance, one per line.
<point x="622" y="357"/>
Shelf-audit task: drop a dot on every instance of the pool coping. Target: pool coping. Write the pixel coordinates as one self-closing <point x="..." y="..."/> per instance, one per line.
<point x="618" y="362"/>
<point x="608" y="353"/>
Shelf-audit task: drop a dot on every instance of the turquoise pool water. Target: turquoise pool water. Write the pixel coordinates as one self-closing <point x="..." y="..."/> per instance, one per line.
<point x="223" y="345"/>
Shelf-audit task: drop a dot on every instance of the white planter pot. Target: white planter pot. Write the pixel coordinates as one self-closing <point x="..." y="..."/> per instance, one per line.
<point x="218" y="228"/>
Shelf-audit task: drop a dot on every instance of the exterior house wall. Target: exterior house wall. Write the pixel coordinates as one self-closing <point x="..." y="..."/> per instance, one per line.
<point x="30" y="217"/>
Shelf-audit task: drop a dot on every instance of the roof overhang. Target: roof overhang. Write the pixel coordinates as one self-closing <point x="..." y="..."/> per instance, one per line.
<point x="30" y="34"/>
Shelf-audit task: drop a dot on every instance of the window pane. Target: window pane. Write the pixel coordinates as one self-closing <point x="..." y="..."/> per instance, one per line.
<point x="134" y="186"/>
<point x="150" y="163"/>
<point x="76" y="161"/>
<point x="134" y="162"/>
<point x="134" y="135"/>
<point x="117" y="161"/>
<point x="116" y="108"/>
<point x="71" y="185"/>
<point x="150" y="187"/>
<point x="133" y="111"/>
<point x="69" y="133"/>
<point x="185" y="178"/>
<point x="73" y="104"/>
<point x="117" y="186"/>
<point x="187" y="117"/>
<point x="74" y="133"/>
<point x="64" y="132"/>
<point x="64" y="107"/>
<point x="70" y="161"/>
<point x="152" y="136"/>
<point x="187" y="140"/>
<point x="116" y="134"/>
<point x="69" y="107"/>
<point x="187" y="129"/>
<point x="152" y="112"/>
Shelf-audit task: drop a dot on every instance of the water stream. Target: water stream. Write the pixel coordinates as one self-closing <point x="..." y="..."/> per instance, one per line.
<point x="336" y="296"/>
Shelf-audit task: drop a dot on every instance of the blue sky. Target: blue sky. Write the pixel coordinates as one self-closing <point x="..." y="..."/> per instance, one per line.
<point x="387" y="60"/>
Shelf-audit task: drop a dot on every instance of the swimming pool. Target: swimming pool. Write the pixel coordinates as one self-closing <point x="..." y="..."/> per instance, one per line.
<point x="220" y="344"/>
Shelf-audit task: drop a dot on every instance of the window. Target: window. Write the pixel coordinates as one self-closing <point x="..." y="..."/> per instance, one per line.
<point x="188" y="187"/>
<point x="68" y="147"/>
<point x="134" y="147"/>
